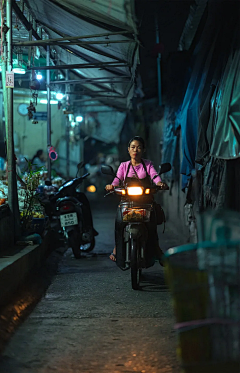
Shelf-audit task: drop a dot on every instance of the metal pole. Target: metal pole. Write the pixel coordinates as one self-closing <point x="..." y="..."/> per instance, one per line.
<point x="4" y="69"/>
<point x="95" y="98"/>
<point x="158" y="63"/>
<point x="75" y="38"/>
<point x="109" y="103"/>
<point x="48" y="111"/>
<point x="66" y="43"/>
<point x="2" y="126"/>
<point x="67" y="133"/>
<point x="88" y="80"/>
<point x="94" y="65"/>
<point x="12" y="180"/>
<point x="67" y="147"/>
<point x="81" y="144"/>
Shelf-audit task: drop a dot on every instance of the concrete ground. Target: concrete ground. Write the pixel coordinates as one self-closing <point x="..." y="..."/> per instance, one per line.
<point x="89" y="319"/>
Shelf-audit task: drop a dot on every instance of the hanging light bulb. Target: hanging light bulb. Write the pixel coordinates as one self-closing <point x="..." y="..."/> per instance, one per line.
<point x="79" y="119"/>
<point x="59" y="96"/>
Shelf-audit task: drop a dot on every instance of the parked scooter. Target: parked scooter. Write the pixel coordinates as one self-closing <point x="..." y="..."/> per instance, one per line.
<point x="71" y="208"/>
<point x="135" y="212"/>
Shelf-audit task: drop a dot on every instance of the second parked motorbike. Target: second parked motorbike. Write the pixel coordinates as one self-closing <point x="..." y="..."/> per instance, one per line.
<point x="72" y="210"/>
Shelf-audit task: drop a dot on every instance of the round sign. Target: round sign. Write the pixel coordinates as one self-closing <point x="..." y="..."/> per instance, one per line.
<point x="53" y="155"/>
<point x="23" y="109"/>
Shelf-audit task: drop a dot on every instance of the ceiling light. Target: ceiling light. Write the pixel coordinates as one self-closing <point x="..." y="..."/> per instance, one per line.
<point x="79" y="119"/>
<point x="51" y="102"/>
<point x="39" y="76"/>
<point x="59" y="96"/>
<point x="19" y="70"/>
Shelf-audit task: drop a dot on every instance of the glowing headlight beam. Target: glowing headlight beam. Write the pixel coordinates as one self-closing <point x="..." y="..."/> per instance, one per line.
<point x="135" y="191"/>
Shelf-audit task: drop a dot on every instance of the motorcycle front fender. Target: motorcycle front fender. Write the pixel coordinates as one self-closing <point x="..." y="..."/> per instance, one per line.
<point x="136" y="231"/>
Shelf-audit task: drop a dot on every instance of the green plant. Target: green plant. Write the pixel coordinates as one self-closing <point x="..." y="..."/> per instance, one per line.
<point x="31" y="196"/>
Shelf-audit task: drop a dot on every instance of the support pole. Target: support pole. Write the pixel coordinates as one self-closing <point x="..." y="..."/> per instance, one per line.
<point x="11" y="171"/>
<point x="94" y="65"/>
<point x="66" y="43"/>
<point x="2" y="126"/>
<point x="67" y="148"/>
<point x="67" y="133"/>
<point x="81" y="144"/>
<point x="49" y="129"/>
<point x="4" y="69"/>
<point x="76" y="38"/>
<point x="105" y="79"/>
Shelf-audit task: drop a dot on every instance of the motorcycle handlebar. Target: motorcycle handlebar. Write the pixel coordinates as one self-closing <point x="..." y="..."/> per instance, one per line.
<point x="156" y="187"/>
<point x="84" y="176"/>
<point x="164" y="187"/>
<point x="112" y="191"/>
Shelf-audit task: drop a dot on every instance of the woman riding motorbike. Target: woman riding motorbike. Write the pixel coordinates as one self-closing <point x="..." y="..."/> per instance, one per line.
<point x="141" y="171"/>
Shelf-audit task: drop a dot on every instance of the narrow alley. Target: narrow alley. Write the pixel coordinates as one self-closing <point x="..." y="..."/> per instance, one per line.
<point x="90" y="319"/>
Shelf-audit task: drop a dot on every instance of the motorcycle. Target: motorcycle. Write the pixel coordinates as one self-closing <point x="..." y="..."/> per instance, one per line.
<point x="135" y="212"/>
<point x="72" y="210"/>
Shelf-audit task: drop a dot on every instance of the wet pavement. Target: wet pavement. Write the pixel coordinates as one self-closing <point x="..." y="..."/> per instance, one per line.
<point x="90" y="320"/>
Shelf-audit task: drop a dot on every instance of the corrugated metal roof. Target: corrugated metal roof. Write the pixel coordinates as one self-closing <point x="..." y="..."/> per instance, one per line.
<point x="80" y="18"/>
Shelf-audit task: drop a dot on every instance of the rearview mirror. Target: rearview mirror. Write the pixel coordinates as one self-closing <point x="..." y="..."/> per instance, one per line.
<point x="165" y="167"/>
<point x="80" y="165"/>
<point x="107" y="170"/>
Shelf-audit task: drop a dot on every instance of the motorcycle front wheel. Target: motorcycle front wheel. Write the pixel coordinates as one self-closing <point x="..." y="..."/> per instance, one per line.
<point x="135" y="271"/>
<point x="74" y="240"/>
<point x="86" y="248"/>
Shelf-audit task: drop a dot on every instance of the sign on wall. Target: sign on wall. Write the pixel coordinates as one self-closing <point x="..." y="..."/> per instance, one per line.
<point x="9" y="79"/>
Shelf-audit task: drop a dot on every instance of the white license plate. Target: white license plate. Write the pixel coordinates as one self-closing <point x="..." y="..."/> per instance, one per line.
<point x="69" y="219"/>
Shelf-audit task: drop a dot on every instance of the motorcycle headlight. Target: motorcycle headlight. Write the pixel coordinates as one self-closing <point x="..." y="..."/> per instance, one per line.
<point x="134" y="191"/>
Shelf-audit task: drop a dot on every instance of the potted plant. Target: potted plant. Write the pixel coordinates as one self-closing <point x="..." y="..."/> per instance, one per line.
<point x="31" y="217"/>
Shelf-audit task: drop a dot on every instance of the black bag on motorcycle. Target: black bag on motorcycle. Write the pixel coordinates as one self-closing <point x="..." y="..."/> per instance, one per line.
<point x="160" y="215"/>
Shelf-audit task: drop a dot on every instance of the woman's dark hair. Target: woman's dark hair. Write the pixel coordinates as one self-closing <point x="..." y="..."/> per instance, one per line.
<point x="38" y="154"/>
<point x="137" y="138"/>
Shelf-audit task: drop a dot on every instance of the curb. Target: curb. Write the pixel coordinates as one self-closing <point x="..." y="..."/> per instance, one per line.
<point x="15" y="269"/>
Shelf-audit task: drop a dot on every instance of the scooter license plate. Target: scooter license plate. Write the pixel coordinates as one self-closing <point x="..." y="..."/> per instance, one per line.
<point x="69" y="219"/>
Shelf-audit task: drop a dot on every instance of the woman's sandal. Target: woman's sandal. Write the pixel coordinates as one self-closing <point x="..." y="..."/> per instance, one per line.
<point x="114" y="255"/>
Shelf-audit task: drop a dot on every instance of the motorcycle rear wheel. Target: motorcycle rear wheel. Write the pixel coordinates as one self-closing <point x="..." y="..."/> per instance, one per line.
<point x="135" y="271"/>
<point x="74" y="240"/>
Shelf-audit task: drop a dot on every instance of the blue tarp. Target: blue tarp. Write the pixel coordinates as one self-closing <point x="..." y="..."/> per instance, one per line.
<point x="210" y="57"/>
<point x="171" y="135"/>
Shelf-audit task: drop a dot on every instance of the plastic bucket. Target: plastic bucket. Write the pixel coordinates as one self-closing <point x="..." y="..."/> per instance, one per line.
<point x="204" y="280"/>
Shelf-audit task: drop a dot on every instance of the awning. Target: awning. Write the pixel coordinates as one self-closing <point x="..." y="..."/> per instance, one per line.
<point x="117" y="52"/>
<point x="117" y="13"/>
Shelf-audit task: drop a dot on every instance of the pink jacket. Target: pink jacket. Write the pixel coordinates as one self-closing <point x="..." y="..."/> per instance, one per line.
<point x="122" y="171"/>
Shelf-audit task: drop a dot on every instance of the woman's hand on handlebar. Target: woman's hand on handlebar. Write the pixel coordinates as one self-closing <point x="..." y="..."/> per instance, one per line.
<point x="163" y="185"/>
<point x="109" y="187"/>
